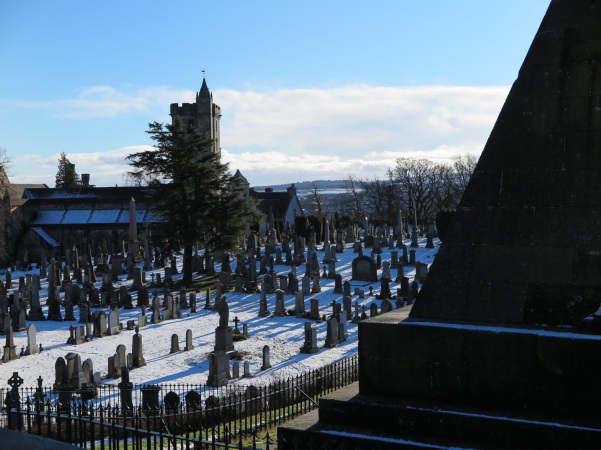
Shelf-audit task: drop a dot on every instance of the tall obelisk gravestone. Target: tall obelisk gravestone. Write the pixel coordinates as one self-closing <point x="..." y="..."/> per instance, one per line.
<point x="502" y="347"/>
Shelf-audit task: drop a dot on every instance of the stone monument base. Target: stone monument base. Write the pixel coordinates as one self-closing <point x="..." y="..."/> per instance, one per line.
<point x="347" y="419"/>
<point x="224" y="340"/>
<point x="527" y="369"/>
<point x="35" y="314"/>
<point x="465" y="384"/>
<point x="219" y="369"/>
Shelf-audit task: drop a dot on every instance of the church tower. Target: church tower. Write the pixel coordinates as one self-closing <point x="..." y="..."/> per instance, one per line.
<point x="204" y="114"/>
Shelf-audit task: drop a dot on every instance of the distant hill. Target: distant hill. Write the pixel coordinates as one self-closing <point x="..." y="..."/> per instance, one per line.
<point x="321" y="184"/>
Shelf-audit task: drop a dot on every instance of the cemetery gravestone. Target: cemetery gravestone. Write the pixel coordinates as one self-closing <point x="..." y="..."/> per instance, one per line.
<point x="266" y="363"/>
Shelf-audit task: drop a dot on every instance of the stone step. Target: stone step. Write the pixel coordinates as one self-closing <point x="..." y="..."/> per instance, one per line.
<point x="307" y="433"/>
<point x="346" y="416"/>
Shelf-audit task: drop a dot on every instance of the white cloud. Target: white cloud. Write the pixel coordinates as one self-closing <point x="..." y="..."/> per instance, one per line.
<point x="302" y="134"/>
<point x="108" y="102"/>
<point x="106" y="168"/>
<point x="276" y="136"/>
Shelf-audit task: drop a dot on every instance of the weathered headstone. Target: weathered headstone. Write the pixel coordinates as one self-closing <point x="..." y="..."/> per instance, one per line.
<point x="10" y="350"/>
<point x="143" y="299"/>
<point x="174" y="344"/>
<point x="189" y="346"/>
<point x="100" y="326"/>
<point x="310" y="344"/>
<point x="266" y="358"/>
<point x="113" y="322"/>
<point x="306" y="285"/>
<point x="364" y="269"/>
<point x="314" y="311"/>
<point x="218" y="368"/>
<point x="332" y="333"/>
<point x="343" y="327"/>
<point x="32" y="346"/>
<point x="279" y="303"/>
<point x="299" y="305"/>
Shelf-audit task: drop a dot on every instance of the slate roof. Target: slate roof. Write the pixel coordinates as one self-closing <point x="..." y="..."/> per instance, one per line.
<point x="272" y="201"/>
<point x="96" y="193"/>
<point x="204" y="89"/>
<point x="89" y="216"/>
<point x="16" y="191"/>
<point x="85" y="206"/>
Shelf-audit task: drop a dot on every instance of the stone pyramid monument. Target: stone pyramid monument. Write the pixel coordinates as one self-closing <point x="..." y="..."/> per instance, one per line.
<point x="502" y="348"/>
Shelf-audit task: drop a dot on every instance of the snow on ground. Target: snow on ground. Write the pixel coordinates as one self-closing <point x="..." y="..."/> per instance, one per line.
<point x="284" y="335"/>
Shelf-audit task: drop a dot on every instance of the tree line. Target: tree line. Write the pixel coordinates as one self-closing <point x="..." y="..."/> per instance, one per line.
<point x="418" y="187"/>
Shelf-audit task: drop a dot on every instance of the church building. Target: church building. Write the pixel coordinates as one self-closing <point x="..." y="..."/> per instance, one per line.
<point x="55" y="220"/>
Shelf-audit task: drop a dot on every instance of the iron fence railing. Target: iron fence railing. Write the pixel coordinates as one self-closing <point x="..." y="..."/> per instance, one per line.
<point x="173" y="415"/>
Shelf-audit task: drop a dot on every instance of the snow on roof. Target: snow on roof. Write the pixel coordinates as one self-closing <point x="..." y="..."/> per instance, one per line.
<point x="40" y="232"/>
<point x="105" y="216"/>
<point x="76" y="216"/>
<point x="89" y="216"/>
<point x="140" y="215"/>
<point x="48" y="217"/>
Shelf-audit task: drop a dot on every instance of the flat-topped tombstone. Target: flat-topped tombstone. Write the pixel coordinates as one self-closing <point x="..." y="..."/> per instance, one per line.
<point x="100" y="327"/>
<point x="218" y="368"/>
<point x="332" y="333"/>
<point x="84" y="312"/>
<point x="343" y="326"/>
<point x="10" y="350"/>
<point x="421" y="271"/>
<point x="279" y="303"/>
<point x="113" y="370"/>
<point x="310" y="344"/>
<point x="306" y="285"/>
<point x="299" y="305"/>
<point x="32" y="346"/>
<point x="143" y="296"/>
<point x="113" y="322"/>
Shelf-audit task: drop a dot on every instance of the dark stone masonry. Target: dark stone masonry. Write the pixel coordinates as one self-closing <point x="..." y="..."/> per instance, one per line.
<point x="502" y="347"/>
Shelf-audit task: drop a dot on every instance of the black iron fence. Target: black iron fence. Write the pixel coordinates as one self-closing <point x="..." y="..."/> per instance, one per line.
<point x="170" y="416"/>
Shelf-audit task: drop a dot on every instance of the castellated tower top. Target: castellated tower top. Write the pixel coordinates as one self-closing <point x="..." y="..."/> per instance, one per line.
<point x="204" y="114"/>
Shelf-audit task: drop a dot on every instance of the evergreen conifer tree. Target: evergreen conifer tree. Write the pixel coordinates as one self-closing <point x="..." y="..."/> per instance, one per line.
<point x="66" y="177"/>
<point x="191" y="190"/>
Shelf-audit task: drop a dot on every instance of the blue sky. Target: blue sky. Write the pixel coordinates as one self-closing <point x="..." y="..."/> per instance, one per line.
<point x="308" y="90"/>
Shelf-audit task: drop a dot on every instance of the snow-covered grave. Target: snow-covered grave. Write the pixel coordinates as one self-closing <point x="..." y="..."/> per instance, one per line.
<point x="284" y="335"/>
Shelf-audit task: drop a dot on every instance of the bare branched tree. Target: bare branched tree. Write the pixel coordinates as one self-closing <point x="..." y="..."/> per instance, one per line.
<point x="317" y="199"/>
<point x="355" y="197"/>
<point x="380" y="199"/>
<point x="464" y="166"/>
<point x="417" y="180"/>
